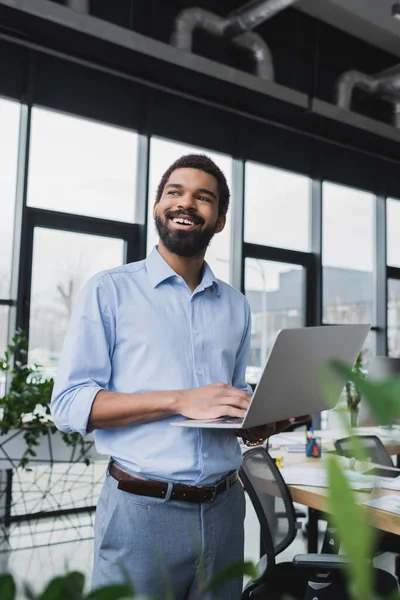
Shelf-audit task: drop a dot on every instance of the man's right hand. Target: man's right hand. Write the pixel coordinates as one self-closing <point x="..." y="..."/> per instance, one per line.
<point x="213" y="401"/>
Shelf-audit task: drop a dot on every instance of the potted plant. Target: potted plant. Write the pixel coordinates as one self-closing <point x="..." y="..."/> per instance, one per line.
<point x="27" y="432"/>
<point x="353" y="392"/>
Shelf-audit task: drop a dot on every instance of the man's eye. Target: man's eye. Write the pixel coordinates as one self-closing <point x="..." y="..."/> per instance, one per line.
<point x="172" y="193"/>
<point x="204" y="198"/>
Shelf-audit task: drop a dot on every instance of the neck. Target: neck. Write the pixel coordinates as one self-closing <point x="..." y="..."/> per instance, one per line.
<point x="188" y="267"/>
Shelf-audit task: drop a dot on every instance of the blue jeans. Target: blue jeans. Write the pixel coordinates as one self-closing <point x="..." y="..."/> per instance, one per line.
<point x="160" y="545"/>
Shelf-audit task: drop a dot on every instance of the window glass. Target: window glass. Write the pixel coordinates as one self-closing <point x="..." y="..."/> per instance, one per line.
<point x="4" y="314"/>
<point x="82" y="167"/>
<point x="62" y="263"/>
<point x="277" y="208"/>
<point x="394" y="317"/>
<point x="347" y="254"/>
<point x="393" y="232"/>
<point x="9" y="130"/>
<point x="275" y="294"/>
<point x="162" y="154"/>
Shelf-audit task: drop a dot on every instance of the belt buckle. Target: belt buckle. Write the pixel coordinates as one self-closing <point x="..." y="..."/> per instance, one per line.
<point x="213" y="493"/>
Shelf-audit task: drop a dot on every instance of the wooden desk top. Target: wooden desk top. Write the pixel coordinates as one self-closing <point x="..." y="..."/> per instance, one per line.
<point x="316" y="497"/>
<point x="389" y="437"/>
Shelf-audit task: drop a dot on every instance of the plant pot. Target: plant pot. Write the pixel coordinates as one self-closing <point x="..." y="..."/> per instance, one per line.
<point x="51" y="449"/>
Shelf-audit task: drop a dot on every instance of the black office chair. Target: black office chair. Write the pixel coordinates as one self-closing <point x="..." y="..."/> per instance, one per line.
<point x="309" y="576"/>
<point x="374" y="450"/>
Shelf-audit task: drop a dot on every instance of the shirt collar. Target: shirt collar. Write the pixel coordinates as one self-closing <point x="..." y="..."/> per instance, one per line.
<point x="159" y="270"/>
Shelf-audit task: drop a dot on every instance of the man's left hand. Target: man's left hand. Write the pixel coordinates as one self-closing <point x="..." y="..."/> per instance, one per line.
<point x="265" y="431"/>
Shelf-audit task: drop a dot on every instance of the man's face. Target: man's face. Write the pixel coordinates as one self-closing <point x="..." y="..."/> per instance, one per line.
<point x="186" y="215"/>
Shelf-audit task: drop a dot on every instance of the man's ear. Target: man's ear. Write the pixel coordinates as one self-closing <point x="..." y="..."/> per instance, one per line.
<point x="154" y="208"/>
<point x="221" y="221"/>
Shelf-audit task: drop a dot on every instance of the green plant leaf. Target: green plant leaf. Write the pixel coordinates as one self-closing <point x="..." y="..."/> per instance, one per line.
<point x="7" y="587"/>
<point x="112" y="592"/>
<point x="236" y="569"/>
<point x="383" y="396"/>
<point x="64" y="587"/>
<point x="354" y="532"/>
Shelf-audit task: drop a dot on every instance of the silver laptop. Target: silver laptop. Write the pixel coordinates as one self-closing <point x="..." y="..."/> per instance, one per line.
<point x="290" y="383"/>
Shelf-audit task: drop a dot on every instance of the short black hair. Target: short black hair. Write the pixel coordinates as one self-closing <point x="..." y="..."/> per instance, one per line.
<point x="203" y="163"/>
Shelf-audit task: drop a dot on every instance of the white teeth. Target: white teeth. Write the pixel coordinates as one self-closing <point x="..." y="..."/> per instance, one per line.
<point x="181" y="221"/>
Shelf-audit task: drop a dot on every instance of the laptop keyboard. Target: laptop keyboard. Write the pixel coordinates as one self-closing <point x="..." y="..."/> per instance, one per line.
<point x="230" y="420"/>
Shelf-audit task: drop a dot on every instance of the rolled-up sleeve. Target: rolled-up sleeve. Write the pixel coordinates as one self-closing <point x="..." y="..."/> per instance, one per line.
<point x="85" y="362"/>
<point x="243" y="354"/>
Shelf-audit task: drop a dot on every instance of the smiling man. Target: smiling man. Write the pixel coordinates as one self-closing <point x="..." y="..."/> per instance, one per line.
<point x="148" y="343"/>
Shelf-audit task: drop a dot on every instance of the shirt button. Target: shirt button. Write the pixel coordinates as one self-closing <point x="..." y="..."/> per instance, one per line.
<point x="179" y="279"/>
<point x="195" y="331"/>
<point x="199" y="372"/>
<point x="205" y="455"/>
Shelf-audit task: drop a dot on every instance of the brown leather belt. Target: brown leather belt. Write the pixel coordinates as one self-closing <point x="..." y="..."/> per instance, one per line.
<point x="158" y="489"/>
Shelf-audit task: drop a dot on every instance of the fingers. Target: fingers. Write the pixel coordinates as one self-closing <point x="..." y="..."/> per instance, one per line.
<point x="230" y="411"/>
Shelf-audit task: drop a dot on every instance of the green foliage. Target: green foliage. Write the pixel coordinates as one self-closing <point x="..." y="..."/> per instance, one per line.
<point x="7" y="587"/>
<point x="353" y="391"/>
<point x="382" y="396"/>
<point x="236" y="569"/>
<point x="26" y="403"/>
<point x="353" y="530"/>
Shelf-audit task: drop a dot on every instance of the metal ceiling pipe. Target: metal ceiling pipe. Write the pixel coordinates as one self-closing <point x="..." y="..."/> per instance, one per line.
<point x="194" y="18"/>
<point x="260" y="51"/>
<point x="397" y="115"/>
<point x="79" y="6"/>
<point x="237" y="26"/>
<point x="386" y="85"/>
<point x="253" y="14"/>
<point x="347" y="83"/>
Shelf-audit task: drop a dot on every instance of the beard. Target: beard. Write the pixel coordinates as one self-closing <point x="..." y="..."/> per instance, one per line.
<point x="184" y="243"/>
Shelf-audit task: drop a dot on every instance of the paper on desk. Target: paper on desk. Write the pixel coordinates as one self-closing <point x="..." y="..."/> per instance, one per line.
<point x="387" y="503"/>
<point x="315" y="477"/>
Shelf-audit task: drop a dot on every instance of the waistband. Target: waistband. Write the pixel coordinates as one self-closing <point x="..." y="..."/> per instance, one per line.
<point x="159" y="489"/>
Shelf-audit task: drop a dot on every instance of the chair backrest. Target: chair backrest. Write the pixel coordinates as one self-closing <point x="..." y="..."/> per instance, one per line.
<point x="271" y="499"/>
<point x="373" y="448"/>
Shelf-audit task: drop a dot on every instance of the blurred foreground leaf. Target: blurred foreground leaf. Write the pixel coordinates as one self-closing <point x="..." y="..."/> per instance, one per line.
<point x="111" y="592"/>
<point x="64" y="587"/>
<point x="7" y="587"/>
<point x="382" y="396"/>
<point x="235" y="570"/>
<point x="354" y="532"/>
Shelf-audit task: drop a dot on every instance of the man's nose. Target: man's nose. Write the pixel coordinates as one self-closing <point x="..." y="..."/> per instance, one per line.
<point x="187" y="201"/>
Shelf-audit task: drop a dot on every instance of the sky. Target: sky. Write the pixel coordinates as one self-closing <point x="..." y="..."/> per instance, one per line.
<point x="89" y="168"/>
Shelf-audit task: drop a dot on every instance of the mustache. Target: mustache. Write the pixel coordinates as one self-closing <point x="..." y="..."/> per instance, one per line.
<point x="189" y="214"/>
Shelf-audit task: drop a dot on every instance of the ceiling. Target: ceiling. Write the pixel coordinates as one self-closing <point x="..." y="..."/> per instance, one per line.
<point x="370" y="20"/>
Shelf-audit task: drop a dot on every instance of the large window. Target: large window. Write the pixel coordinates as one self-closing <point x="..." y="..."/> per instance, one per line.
<point x="275" y="294"/>
<point x="162" y="154"/>
<point x="393" y="260"/>
<point x="347" y="255"/>
<point x="394" y="317"/>
<point x="82" y="167"/>
<point x="9" y="130"/>
<point x="277" y="208"/>
<point x="62" y="263"/>
<point x="393" y="232"/>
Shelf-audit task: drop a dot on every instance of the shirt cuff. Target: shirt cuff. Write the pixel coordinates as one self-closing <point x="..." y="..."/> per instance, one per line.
<point x="80" y="409"/>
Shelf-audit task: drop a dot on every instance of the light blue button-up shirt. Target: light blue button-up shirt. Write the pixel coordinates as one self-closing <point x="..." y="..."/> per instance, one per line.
<point x="139" y="328"/>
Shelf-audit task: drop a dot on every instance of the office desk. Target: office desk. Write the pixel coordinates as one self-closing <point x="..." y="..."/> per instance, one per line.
<point x="316" y="497"/>
<point x="389" y="437"/>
